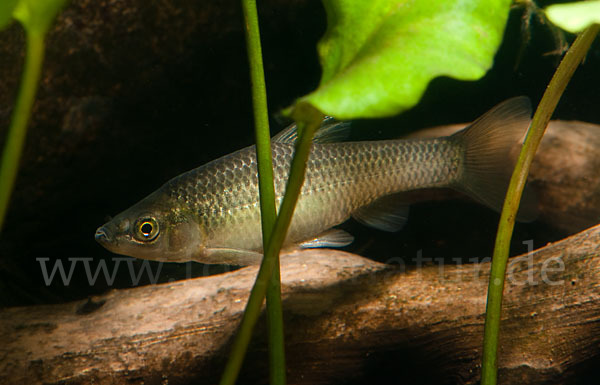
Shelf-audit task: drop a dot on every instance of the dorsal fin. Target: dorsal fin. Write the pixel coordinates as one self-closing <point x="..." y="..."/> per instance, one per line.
<point x="389" y="213"/>
<point x="331" y="131"/>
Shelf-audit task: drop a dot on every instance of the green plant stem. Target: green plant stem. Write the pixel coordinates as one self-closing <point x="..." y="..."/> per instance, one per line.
<point x="277" y="367"/>
<point x="18" y="127"/>
<point x="266" y="188"/>
<point x="294" y="184"/>
<point x="540" y="120"/>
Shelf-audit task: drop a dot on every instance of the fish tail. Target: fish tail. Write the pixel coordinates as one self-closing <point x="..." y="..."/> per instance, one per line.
<point x="490" y="145"/>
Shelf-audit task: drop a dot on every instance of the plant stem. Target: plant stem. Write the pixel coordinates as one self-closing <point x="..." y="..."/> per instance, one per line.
<point x="511" y="204"/>
<point x="277" y="368"/>
<point x="18" y="127"/>
<point x="284" y="218"/>
<point x="267" y="191"/>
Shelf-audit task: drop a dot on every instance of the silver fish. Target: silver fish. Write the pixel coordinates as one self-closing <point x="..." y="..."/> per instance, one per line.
<point x="211" y="214"/>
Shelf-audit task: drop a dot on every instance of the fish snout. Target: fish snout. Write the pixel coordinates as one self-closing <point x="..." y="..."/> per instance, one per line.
<point x="103" y="236"/>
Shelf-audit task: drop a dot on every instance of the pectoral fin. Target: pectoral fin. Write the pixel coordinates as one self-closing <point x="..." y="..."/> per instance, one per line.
<point x="241" y="257"/>
<point x="225" y="256"/>
<point x="330" y="238"/>
<point x="388" y="214"/>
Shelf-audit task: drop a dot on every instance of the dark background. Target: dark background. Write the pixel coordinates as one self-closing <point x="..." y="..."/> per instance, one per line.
<point x="136" y="92"/>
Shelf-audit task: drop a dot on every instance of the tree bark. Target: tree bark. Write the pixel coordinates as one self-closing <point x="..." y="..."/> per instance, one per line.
<point x="348" y="320"/>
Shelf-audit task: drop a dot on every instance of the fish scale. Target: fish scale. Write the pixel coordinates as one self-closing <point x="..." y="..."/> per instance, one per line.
<point x="345" y="176"/>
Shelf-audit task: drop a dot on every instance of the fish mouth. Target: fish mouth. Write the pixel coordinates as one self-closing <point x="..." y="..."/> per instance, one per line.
<point x="103" y="236"/>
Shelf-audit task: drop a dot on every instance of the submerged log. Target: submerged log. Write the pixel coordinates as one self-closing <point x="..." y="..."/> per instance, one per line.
<point x="348" y="320"/>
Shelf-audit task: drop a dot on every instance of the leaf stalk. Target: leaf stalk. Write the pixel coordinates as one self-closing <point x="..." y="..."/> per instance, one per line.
<point x="17" y="131"/>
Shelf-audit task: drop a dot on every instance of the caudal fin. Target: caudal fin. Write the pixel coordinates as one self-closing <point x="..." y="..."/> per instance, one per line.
<point x="488" y="164"/>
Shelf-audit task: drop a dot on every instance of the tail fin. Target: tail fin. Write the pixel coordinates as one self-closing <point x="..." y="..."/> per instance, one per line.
<point x="488" y="165"/>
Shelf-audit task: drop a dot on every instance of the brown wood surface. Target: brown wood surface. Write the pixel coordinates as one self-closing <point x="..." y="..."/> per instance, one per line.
<point x="347" y="319"/>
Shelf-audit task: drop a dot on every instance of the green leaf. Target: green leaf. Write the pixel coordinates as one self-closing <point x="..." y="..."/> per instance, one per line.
<point x="574" y="17"/>
<point x="37" y="15"/>
<point x="6" y="9"/>
<point x="378" y="56"/>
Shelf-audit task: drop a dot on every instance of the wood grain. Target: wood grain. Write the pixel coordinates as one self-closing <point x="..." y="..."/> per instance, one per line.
<point x="348" y="320"/>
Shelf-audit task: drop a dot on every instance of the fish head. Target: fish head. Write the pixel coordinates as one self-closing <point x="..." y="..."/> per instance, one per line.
<point x="156" y="228"/>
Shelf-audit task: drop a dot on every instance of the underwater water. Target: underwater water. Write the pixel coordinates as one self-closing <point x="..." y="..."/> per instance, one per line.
<point x="125" y="106"/>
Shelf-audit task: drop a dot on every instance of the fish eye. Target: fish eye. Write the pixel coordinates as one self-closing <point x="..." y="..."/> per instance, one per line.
<point x="146" y="229"/>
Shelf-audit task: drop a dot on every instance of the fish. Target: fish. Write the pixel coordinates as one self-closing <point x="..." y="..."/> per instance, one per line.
<point x="211" y="214"/>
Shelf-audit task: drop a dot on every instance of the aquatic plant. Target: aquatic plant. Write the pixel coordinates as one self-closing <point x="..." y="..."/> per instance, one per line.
<point x="35" y="16"/>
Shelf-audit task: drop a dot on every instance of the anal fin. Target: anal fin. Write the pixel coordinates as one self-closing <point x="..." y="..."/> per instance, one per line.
<point x="389" y="213"/>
